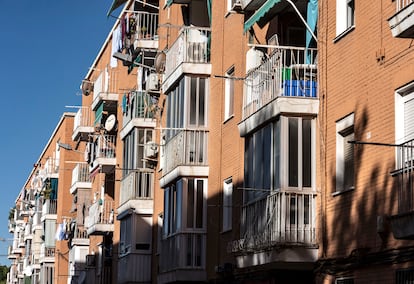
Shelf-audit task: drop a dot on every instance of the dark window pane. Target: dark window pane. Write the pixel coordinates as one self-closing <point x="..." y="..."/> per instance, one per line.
<point x="293" y="152"/>
<point x="306" y="153"/>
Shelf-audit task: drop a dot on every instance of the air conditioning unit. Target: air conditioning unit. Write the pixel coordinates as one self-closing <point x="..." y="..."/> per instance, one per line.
<point x="90" y="260"/>
<point x="86" y="87"/>
<point x="150" y="150"/>
<point x="152" y="82"/>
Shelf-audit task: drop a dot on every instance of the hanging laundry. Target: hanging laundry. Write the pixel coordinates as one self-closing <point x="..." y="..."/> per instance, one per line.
<point x="116" y="45"/>
<point x="124" y="104"/>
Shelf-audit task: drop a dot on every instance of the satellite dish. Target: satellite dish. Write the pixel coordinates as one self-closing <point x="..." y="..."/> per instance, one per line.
<point x="86" y="87"/>
<point x="110" y="123"/>
<point x="160" y="62"/>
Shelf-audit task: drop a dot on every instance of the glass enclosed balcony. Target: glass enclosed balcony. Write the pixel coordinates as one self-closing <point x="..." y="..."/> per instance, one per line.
<point x="402" y="22"/>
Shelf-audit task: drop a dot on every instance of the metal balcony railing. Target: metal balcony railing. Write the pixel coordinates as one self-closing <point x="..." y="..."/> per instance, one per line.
<point x="83" y="117"/>
<point x="281" y="218"/>
<point x="105" y="83"/>
<point x="288" y="71"/>
<point x="105" y="146"/>
<point x="49" y="207"/>
<point x="51" y="167"/>
<point x="186" y="148"/>
<point x="191" y="46"/>
<point x="183" y="251"/>
<point x="100" y="212"/>
<point x="144" y="25"/>
<point x="138" y="184"/>
<point x="81" y="173"/>
<point x="401" y="4"/>
<point x="405" y="174"/>
<point x="138" y="105"/>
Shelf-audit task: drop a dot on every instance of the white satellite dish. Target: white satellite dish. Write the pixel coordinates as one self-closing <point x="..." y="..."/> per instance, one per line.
<point x="110" y="123"/>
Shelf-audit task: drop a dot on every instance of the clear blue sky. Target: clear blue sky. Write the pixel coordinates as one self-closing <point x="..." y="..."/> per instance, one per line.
<point x="46" y="48"/>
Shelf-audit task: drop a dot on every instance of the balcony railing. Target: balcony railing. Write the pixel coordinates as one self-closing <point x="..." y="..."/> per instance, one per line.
<point x="191" y="46"/>
<point x="137" y="105"/>
<point x="105" y="83"/>
<point x="105" y="146"/>
<point x="137" y="185"/>
<point x="47" y="251"/>
<point x="281" y="218"/>
<point x="51" y="167"/>
<point x="100" y="212"/>
<point x="80" y="174"/>
<point x="83" y="118"/>
<point x="145" y="25"/>
<point x="401" y="4"/>
<point x="49" y="207"/>
<point x="186" y="148"/>
<point x="183" y="251"/>
<point x="288" y="71"/>
<point x="405" y="173"/>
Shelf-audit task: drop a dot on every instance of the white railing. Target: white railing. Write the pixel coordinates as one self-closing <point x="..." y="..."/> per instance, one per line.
<point x="281" y="218"/>
<point x="138" y="105"/>
<point x="47" y="251"/>
<point x="104" y="147"/>
<point x="288" y="71"/>
<point x="105" y="83"/>
<point x="405" y="172"/>
<point x="146" y="25"/>
<point x="137" y="184"/>
<point x="184" y="250"/>
<point x="49" y="207"/>
<point x="401" y="4"/>
<point x="83" y="117"/>
<point x="191" y="46"/>
<point x="80" y="173"/>
<point x="101" y="212"/>
<point x="51" y="167"/>
<point x="186" y="148"/>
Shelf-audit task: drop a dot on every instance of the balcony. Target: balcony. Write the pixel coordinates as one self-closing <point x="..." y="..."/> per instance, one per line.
<point x="50" y="169"/>
<point x="136" y="268"/>
<point x="183" y="258"/>
<point x="28" y="232"/>
<point x="402" y="22"/>
<point x="82" y="126"/>
<point x="402" y="223"/>
<point x="283" y="220"/>
<point x="146" y="35"/>
<point x="47" y="254"/>
<point x="80" y="178"/>
<point x="185" y="154"/>
<point x="12" y="226"/>
<point x="286" y="82"/>
<point x="105" y="89"/>
<point x="137" y="191"/>
<point x="190" y="53"/>
<point x="10" y="253"/>
<point x="100" y="219"/>
<point x="80" y="236"/>
<point x="102" y="153"/>
<point x="139" y="109"/>
<point x="49" y="209"/>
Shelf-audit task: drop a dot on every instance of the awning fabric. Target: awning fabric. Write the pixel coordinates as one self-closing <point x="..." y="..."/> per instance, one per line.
<point x="311" y="19"/>
<point x="115" y="5"/>
<point x="269" y="4"/>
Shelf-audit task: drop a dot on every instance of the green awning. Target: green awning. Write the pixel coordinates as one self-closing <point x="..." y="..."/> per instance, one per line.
<point x="269" y="4"/>
<point x="115" y="5"/>
<point x="170" y="2"/>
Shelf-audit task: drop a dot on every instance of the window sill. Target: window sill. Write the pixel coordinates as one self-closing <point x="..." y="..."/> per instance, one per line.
<point x="339" y="192"/>
<point x="228" y="118"/>
<point x="344" y="33"/>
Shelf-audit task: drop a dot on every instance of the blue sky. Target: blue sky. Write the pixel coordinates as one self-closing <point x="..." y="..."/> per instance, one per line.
<point x="46" y="48"/>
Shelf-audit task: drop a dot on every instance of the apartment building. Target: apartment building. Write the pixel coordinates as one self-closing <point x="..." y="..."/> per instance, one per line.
<point x="365" y="92"/>
<point x="38" y="254"/>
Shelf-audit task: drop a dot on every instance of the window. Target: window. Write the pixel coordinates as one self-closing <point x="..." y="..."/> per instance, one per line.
<point x="404" y="112"/>
<point x="345" y="176"/>
<point x="344" y="280"/>
<point x="279" y="155"/>
<point x="345" y="15"/>
<point x="184" y="206"/>
<point x="229" y="94"/>
<point x="227" y="204"/>
<point x="125" y="235"/>
<point x="134" y="149"/>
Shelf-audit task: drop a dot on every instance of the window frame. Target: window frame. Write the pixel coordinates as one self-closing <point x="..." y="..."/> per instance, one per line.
<point x="229" y="93"/>
<point x="345" y="130"/>
<point x="345" y="17"/>
<point x="227" y="205"/>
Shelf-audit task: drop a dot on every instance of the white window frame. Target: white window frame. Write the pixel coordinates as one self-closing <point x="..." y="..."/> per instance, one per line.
<point x="345" y="16"/>
<point x="343" y="126"/>
<point x="402" y="95"/>
<point x="227" y="204"/>
<point x="229" y="94"/>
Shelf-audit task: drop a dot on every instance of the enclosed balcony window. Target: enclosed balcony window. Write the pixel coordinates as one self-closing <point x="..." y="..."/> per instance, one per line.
<point x="134" y="148"/>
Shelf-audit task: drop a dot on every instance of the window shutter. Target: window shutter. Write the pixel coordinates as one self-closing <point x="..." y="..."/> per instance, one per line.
<point x="349" y="161"/>
<point x="409" y="120"/>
